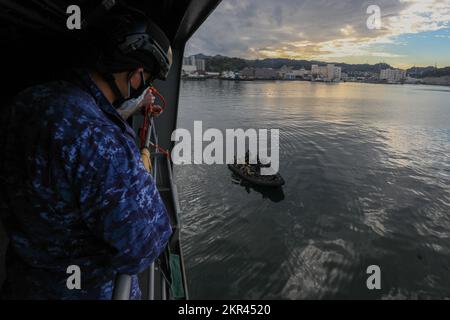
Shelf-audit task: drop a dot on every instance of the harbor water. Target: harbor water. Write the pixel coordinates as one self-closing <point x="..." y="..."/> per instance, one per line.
<point x="367" y="170"/>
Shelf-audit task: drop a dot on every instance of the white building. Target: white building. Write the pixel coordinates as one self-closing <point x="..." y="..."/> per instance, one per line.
<point x="393" y="75"/>
<point x="201" y="64"/>
<point x="192" y="65"/>
<point x="337" y="74"/>
<point x="189" y="69"/>
<point x="285" y="72"/>
<point x="326" y="73"/>
<point x="289" y="76"/>
<point x="302" y="73"/>
<point x="297" y="74"/>
<point x="330" y="72"/>
<point x="319" y="72"/>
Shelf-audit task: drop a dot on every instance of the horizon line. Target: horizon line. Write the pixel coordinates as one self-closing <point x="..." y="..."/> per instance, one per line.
<point x="291" y="59"/>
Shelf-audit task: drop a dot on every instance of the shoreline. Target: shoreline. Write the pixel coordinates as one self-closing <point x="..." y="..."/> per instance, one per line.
<point x="322" y="82"/>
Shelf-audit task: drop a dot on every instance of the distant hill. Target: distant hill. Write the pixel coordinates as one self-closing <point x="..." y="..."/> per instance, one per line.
<point x="427" y="72"/>
<point x="221" y="63"/>
<point x="419" y="71"/>
<point x="442" y="72"/>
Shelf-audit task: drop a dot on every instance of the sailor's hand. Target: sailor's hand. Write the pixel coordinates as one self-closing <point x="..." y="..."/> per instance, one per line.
<point x="133" y="106"/>
<point x="149" y="99"/>
<point x="156" y="110"/>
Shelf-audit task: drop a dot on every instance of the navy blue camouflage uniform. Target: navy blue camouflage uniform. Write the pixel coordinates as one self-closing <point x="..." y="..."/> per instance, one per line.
<point x="74" y="192"/>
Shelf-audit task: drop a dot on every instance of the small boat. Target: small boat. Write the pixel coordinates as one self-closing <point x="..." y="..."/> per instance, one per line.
<point x="194" y="78"/>
<point x="250" y="173"/>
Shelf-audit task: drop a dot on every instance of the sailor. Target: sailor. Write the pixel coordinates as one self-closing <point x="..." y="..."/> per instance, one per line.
<point x="75" y="192"/>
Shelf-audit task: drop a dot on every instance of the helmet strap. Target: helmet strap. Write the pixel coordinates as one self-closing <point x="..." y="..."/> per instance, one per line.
<point x="111" y="81"/>
<point x="134" y="93"/>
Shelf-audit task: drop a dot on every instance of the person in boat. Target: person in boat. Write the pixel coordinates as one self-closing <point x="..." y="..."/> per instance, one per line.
<point x="76" y="192"/>
<point x="253" y="168"/>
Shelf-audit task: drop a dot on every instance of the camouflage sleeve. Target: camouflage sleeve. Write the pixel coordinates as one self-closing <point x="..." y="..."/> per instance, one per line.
<point x="118" y="199"/>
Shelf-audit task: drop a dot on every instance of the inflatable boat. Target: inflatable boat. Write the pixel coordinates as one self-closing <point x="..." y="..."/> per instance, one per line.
<point x="250" y="173"/>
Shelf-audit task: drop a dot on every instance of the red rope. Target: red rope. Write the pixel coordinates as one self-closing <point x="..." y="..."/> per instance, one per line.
<point x="149" y="112"/>
<point x="163" y="151"/>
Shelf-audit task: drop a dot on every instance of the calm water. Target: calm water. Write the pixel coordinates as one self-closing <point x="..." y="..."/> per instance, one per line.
<point x="367" y="170"/>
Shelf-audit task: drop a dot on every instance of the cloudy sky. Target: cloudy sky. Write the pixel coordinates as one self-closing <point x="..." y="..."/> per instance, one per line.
<point x="413" y="32"/>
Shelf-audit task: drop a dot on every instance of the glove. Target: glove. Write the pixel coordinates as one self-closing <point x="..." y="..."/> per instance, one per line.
<point x="132" y="106"/>
<point x="146" y="159"/>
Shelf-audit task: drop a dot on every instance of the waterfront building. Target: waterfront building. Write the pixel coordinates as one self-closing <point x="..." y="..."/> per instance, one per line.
<point x="285" y="72"/>
<point x="192" y="65"/>
<point x="337" y="74"/>
<point x="189" y="69"/>
<point x="200" y="64"/>
<point x="289" y="76"/>
<point x="326" y="73"/>
<point x="393" y="75"/>
<point x="302" y="73"/>
<point x="297" y="74"/>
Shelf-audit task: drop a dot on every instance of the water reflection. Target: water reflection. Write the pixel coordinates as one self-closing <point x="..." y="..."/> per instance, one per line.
<point x="368" y="176"/>
<point x="273" y="194"/>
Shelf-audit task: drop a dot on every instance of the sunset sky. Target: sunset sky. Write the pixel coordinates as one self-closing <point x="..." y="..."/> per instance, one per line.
<point x="414" y="32"/>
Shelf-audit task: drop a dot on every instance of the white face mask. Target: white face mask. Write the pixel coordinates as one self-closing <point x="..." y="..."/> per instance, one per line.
<point x="131" y="106"/>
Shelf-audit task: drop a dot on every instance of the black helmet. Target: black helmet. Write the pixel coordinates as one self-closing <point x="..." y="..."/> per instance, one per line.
<point x="131" y="40"/>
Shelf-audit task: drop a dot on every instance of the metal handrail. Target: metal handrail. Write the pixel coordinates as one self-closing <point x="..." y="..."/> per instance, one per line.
<point x="122" y="287"/>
